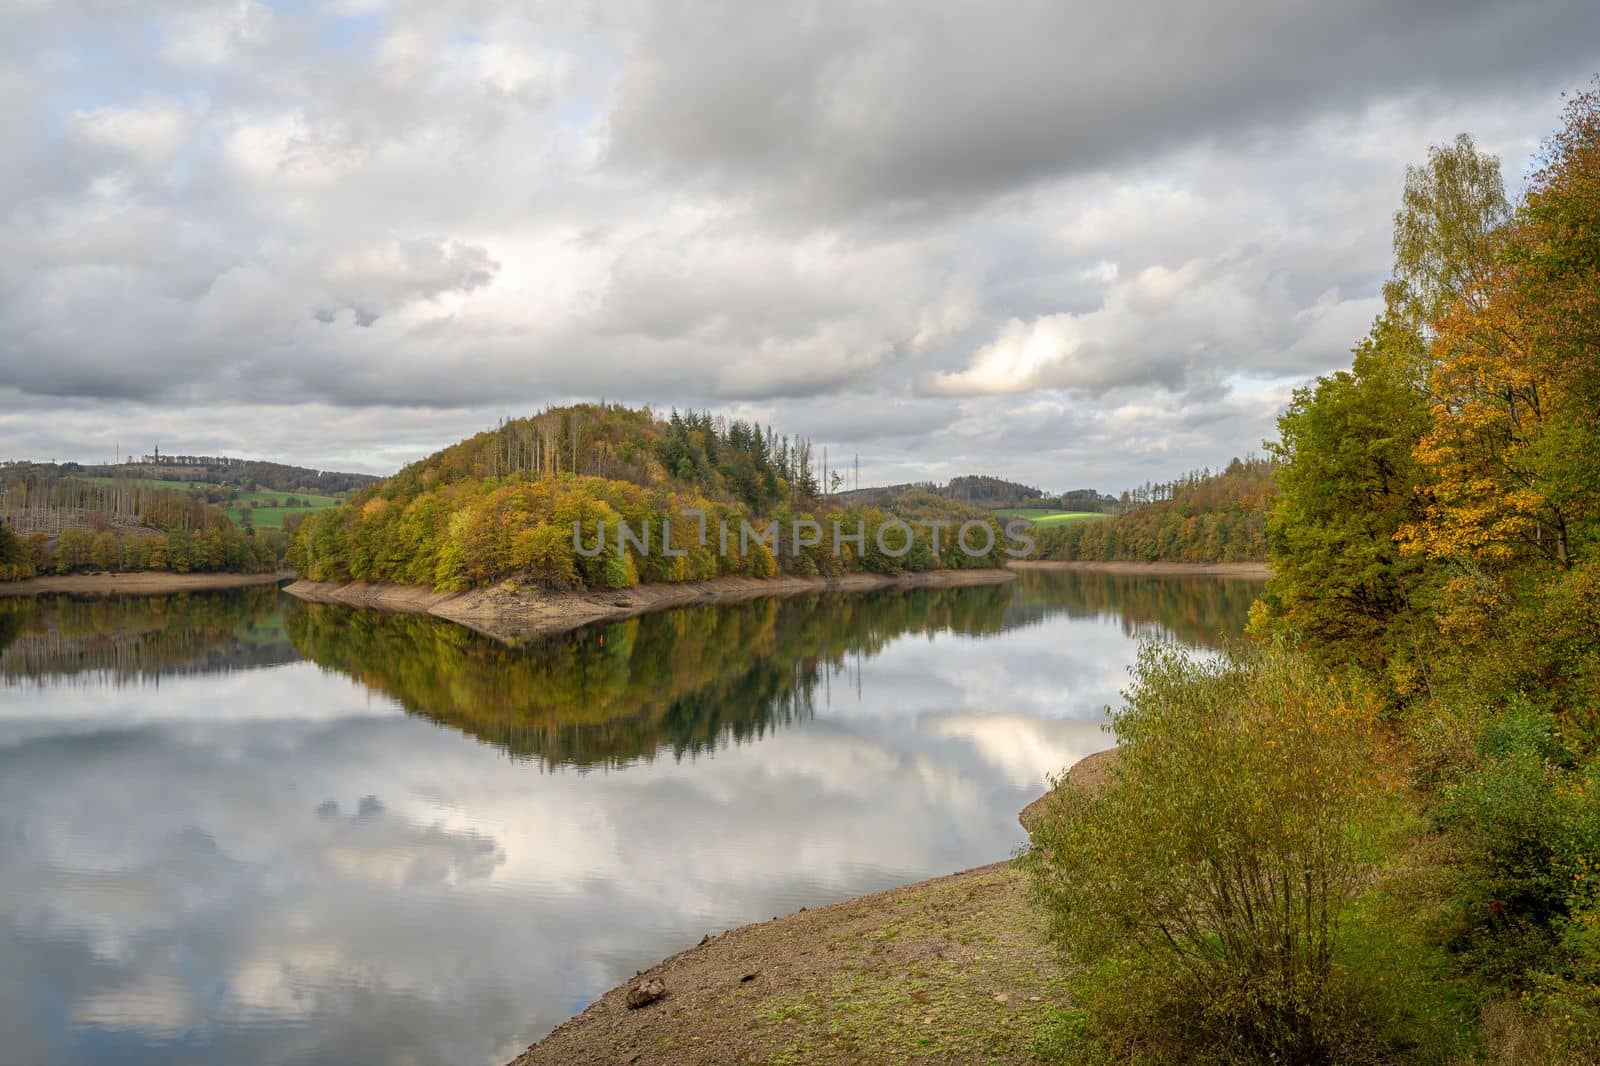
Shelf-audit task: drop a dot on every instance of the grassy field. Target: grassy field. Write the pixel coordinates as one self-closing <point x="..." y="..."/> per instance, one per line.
<point x="262" y="514"/>
<point x="269" y="517"/>
<point x="1044" y="516"/>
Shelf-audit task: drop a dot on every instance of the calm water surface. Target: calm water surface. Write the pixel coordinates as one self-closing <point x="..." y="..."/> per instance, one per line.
<point x="235" y="827"/>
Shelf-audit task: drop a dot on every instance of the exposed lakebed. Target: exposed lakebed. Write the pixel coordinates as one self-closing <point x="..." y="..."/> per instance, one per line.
<point x="239" y="827"/>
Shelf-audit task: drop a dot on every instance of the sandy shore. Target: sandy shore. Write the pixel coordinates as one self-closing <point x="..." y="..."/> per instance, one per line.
<point x="1250" y="570"/>
<point x="1087" y="773"/>
<point x="510" y="612"/>
<point x="140" y="583"/>
<point x="953" y="969"/>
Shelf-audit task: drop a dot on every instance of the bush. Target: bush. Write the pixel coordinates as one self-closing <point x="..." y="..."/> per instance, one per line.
<point x="16" y="562"/>
<point x="1525" y="823"/>
<point x="1206" y="881"/>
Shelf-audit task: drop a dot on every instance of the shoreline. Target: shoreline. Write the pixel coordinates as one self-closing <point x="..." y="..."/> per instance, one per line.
<point x="137" y="583"/>
<point x="1259" y="571"/>
<point x="512" y="613"/>
<point x="954" y="967"/>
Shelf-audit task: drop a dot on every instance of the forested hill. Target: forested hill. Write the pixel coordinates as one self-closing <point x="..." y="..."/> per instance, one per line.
<point x="204" y="469"/>
<point x="504" y="503"/>
<point x="725" y="460"/>
<point x="988" y="492"/>
<point x="1203" y="517"/>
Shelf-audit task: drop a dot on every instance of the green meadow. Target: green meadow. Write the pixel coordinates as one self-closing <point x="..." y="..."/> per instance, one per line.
<point x="1046" y="516"/>
<point x="266" y="505"/>
<point x="264" y="514"/>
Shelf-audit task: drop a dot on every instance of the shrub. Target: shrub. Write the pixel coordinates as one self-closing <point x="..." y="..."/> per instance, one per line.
<point x="1524" y="822"/>
<point x="16" y="562"/>
<point x="1205" y="882"/>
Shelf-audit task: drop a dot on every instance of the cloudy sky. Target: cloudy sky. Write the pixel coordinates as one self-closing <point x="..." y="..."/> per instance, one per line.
<point x="1082" y="242"/>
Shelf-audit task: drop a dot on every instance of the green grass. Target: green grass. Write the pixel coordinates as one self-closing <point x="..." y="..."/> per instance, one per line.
<point x="273" y="517"/>
<point x="262" y="517"/>
<point x="1045" y="516"/>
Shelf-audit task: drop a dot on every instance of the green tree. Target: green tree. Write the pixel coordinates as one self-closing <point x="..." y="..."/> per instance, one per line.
<point x="72" y="550"/>
<point x="16" y="562"/>
<point x="1348" y="484"/>
<point x="1445" y="232"/>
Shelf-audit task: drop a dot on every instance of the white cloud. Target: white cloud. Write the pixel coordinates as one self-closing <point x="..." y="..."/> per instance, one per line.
<point x="149" y="135"/>
<point x="415" y="216"/>
<point x="214" y="34"/>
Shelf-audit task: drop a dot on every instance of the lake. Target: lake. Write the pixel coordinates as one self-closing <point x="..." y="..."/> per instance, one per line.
<point x="236" y="827"/>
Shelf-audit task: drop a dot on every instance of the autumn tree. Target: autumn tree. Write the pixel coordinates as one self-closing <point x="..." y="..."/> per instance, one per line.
<point x="103" y="551"/>
<point x="1351" y="477"/>
<point x="1516" y="392"/>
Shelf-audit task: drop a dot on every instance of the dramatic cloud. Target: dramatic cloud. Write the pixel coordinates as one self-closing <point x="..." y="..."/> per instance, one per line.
<point x="345" y="236"/>
<point x="890" y="105"/>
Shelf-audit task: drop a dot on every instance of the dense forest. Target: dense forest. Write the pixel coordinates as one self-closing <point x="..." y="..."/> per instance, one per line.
<point x="1439" y="529"/>
<point x="247" y="474"/>
<point x="1203" y="517"/>
<point x="1373" y="835"/>
<point x="63" y="525"/>
<point x="988" y="492"/>
<point x="505" y="504"/>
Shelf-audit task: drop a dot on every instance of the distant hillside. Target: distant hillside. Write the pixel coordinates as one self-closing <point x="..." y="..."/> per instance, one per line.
<point x="504" y="503"/>
<point x="64" y="525"/>
<point x="245" y="474"/>
<point x="989" y="493"/>
<point x="254" y="493"/>
<point x="1202" y="517"/>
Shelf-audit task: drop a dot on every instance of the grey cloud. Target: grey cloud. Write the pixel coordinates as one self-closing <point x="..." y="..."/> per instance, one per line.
<point x="376" y="279"/>
<point x="901" y="105"/>
<point x="1164" y="326"/>
<point x="282" y="233"/>
<point x="731" y="290"/>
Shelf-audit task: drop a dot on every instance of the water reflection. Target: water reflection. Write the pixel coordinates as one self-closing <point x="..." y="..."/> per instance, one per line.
<point x="689" y="679"/>
<point x="296" y="863"/>
<point x="130" y="638"/>
<point x="1202" y="612"/>
<point x="684" y="681"/>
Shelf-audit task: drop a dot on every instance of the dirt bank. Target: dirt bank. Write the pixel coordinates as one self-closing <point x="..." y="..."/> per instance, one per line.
<point x="1251" y="570"/>
<point x="141" y="583"/>
<point x="1087" y="772"/>
<point x="955" y="969"/>
<point x="514" y="613"/>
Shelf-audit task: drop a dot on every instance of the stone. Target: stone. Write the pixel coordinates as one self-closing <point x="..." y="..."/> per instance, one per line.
<point x="645" y="993"/>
